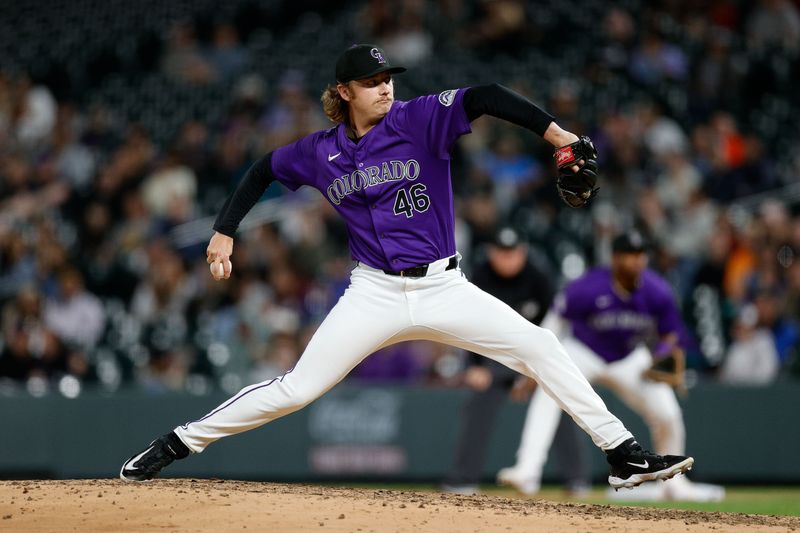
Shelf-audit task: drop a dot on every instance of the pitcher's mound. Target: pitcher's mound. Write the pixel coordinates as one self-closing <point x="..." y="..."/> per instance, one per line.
<point x="190" y="505"/>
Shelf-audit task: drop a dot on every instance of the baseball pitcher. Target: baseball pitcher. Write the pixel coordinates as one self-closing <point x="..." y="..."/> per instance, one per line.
<point x="385" y="167"/>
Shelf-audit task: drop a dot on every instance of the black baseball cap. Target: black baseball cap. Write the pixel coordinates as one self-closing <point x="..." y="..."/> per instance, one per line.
<point x="362" y="61"/>
<point x="629" y="242"/>
<point x="507" y="238"/>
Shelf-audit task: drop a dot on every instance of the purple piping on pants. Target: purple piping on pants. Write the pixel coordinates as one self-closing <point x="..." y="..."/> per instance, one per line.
<point x="233" y="400"/>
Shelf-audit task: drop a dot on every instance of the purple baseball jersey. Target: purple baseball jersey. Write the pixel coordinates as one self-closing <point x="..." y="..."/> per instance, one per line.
<point x="393" y="187"/>
<point x="612" y="325"/>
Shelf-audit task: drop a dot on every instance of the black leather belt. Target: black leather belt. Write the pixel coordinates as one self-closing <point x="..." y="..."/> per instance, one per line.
<point x="420" y="271"/>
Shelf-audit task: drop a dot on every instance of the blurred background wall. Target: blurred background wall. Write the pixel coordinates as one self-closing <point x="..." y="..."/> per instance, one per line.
<point x="124" y="125"/>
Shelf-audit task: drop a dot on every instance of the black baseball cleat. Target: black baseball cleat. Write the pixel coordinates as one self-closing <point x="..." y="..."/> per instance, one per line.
<point x="631" y="465"/>
<point x="146" y="464"/>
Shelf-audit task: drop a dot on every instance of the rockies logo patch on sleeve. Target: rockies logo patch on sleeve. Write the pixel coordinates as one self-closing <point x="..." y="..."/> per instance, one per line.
<point x="446" y="98"/>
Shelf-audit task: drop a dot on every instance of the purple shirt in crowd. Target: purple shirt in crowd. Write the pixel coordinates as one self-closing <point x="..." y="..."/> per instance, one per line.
<point x="393" y="187"/>
<point x="612" y="325"/>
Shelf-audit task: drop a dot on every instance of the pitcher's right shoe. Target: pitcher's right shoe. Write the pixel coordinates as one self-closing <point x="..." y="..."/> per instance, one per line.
<point x="146" y="464"/>
<point x="631" y="465"/>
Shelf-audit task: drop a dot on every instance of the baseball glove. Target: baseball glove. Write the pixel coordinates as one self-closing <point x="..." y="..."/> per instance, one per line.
<point x="577" y="188"/>
<point x="669" y="369"/>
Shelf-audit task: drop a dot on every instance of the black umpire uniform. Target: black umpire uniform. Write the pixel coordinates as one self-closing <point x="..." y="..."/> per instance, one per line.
<point x="530" y="293"/>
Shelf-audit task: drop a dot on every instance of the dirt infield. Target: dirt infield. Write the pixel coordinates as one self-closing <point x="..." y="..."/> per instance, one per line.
<point x="215" y="505"/>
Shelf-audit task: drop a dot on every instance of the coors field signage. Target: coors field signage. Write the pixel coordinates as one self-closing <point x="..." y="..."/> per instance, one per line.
<point x="356" y="433"/>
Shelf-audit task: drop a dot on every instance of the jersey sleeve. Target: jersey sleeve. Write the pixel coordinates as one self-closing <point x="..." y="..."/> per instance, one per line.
<point x="293" y="164"/>
<point x="437" y="120"/>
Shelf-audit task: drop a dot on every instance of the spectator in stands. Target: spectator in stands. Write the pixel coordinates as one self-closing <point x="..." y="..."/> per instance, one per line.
<point x="660" y="134"/>
<point x="100" y="132"/>
<point x="126" y="167"/>
<point x="678" y="181"/>
<point x="28" y="190"/>
<point x="714" y="75"/>
<point x="655" y="60"/>
<point x="776" y="24"/>
<point x="75" y="315"/>
<point x="756" y="174"/>
<point x="183" y="59"/>
<point x="106" y="268"/>
<point x="622" y="160"/>
<point x="165" y="291"/>
<point x="6" y="107"/>
<point x="404" y="35"/>
<point x="619" y="33"/>
<point x="498" y="25"/>
<point x="292" y="114"/>
<point x="17" y="263"/>
<point x="752" y="358"/>
<point x="30" y="348"/>
<point x="193" y="148"/>
<point x="52" y="257"/>
<point x="682" y="232"/>
<point x="514" y="173"/>
<point x="34" y="114"/>
<point x="160" y="305"/>
<point x="71" y="160"/>
<point x="169" y="193"/>
<point x="227" y="57"/>
<point x="792" y="309"/>
<point x="565" y="103"/>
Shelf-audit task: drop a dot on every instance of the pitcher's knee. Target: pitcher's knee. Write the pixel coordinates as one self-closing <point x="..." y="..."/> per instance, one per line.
<point x="301" y="395"/>
<point x="547" y="342"/>
<point x="281" y="395"/>
<point x="543" y="345"/>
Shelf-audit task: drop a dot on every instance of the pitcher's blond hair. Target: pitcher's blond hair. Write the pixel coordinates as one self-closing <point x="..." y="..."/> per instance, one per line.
<point x="334" y="105"/>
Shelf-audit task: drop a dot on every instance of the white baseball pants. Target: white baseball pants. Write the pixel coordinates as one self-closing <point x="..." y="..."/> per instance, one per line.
<point x="655" y="402"/>
<point x="377" y="310"/>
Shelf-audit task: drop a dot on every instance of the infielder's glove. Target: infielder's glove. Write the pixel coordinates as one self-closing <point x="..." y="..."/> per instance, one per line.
<point x="669" y="369"/>
<point x="577" y="188"/>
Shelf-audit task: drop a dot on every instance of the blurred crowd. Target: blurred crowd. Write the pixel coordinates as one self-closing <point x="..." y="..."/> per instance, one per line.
<point x="103" y="225"/>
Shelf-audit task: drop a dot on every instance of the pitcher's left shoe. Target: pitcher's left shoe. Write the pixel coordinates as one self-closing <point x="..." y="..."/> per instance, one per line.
<point x="147" y="464"/>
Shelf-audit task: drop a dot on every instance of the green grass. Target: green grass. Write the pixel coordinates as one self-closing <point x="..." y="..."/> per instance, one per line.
<point x="751" y="500"/>
<point x="772" y="500"/>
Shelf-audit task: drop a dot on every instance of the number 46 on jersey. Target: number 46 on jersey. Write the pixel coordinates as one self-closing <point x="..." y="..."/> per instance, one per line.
<point x="410" y="200"/>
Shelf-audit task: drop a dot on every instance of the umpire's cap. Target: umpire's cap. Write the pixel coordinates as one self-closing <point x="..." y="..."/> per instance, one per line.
<point x="507" y="238"/>
<point x="629" y="242"/>
<point x="362" y="61"/>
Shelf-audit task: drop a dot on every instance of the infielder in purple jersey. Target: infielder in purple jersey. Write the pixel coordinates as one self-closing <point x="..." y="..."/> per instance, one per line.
<point x="385" y="167"/>
<point x="613" y="321"/>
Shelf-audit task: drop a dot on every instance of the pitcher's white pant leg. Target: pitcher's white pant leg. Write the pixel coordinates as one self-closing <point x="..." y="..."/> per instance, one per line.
<point x="654" y="402"/>
<point x="464" y="316"/>
<point x="368" y="315"/>
<point x="543" y="415"/>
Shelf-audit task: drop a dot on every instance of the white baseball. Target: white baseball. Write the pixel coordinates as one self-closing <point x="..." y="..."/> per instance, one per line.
<point x="217" y="270"/>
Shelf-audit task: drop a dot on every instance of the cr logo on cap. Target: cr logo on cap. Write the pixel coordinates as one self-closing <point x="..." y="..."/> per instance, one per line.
<point x="376" y="53"/>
